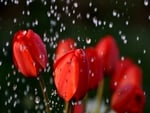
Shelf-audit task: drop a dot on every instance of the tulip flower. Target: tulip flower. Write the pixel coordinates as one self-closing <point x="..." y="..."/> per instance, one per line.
<point x="29" y="53"/>
<point x="126" y="71"/>
<point x="95" y="68"/>
<point x="128" y="96"/>
<point x="108" y="53"/>
<point x="71" y="75"/>
<point x="64" y="46"/>
<point x="128" y="99"/>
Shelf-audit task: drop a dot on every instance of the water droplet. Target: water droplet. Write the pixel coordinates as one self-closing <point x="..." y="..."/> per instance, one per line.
<point x="14" y="87"/>
<point x="92" y="75"/>
<point x="88" y="40"/>
<point x="139" y="61"/>
<point x="90" y="4"/>
<point x="37" y="99"/>
<point x="75" y="4"/>
<point x="127" y="22"/>
<point x="1" y="63"/>
<point x="115" y="83"/>
<point x="114" y="13"/>
<point x="137" y="38"/>
<point x="88" y="15"/>
<point x="110" y="24"/>
<point x="146" y="2"/>
<point x="149" y="17"/>
<point x="95" y="21"/>
<point x="92" y="60"/>
<point x="144" y="51"/>
<point x="107" y="100"/>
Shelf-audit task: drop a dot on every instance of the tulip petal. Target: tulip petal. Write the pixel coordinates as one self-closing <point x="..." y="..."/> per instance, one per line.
<point x="95" y="68"/>
<point x="37" y="48"/>
<point x="66" y="79"/>
<point x="108" y="53"/>
<point x="128" y="98"/>
<point x="64" y="46"/>
<point x="24" y="60"/>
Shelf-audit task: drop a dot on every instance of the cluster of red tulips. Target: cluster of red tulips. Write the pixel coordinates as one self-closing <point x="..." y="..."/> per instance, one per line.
<point x="78" y="71"/>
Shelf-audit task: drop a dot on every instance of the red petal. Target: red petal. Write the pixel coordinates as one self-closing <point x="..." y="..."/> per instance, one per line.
<point x="95" y="68"/>
<point x="37" y="48"/>
<point x="108" y="53"/>
<point x="66" y="75"/>
<point x="83" y="74"/>
<point x="119" y="72"/>
<point x="70" y="72"/>
<point x="64" y="46"/>
<point x="133" y="76"/>
<point x="24" y="60"/>
<point x="128" y="98"/>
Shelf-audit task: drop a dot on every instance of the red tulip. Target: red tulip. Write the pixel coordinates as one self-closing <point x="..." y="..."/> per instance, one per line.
<point x="29" y="53"/>
<point x="126" y="73"/>
<point x="108" y="53"/>
<point x="121" y="67"/>
<point x="133" y="76"/>
<point x="95" y="68"/>
<point x="70" y="75"/>
<point x="64" y="46"/>
<point x="128" y="99"/>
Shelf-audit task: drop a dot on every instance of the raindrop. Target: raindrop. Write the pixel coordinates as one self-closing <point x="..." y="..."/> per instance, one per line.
<point x="14" y="87"/>
<point x="90" y="4"/>
<point x="95" y="21"/>
<point x="115" y="83"/>
<point x="127" y="22"/>
<point x="95" y="9"/>
<point x="137" y="38"/>
<point x="139" y="61"/>
<point x="149" y="17"/>
<point x="73" y="21"/>
<point x="88" y="15"/>
<point x="7" y="44"/>
<point x="144" y="51"/>
<point x="110" y="25"/>
<point x="92" y="75"/>
<point x="1" y="63"/>
<point x="37" y="99"/>
<point x="114" y="13"/>
<point x="75" y="4"/>
<point x="88" y="40"/>
<point x="92" y="60"/>
<point x="53" y="1"/>
<point x="146" y="2"/>
<point x="107" y="100"/>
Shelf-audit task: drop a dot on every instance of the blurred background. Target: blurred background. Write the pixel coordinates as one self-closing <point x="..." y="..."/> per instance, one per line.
<point x="87" y="21"/>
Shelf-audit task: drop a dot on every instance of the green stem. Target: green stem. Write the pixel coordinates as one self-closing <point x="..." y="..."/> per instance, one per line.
<point x="68" y="107"/>
<point x="99" y="96"/>
<point x="46" y="100"/>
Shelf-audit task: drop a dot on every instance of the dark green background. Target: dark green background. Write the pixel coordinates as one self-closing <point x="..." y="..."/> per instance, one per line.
<point x="15" y="88"/>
